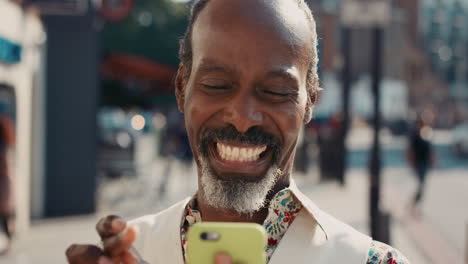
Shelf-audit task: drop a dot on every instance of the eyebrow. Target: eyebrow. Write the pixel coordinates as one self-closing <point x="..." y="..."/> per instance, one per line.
<point x="210" y="66"/>
<point x="283" y="74"/>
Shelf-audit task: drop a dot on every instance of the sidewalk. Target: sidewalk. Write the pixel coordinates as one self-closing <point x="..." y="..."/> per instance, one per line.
<point x="48" y="239"/>
<point x="441" y="231"/>
<point x="351" y="205"/>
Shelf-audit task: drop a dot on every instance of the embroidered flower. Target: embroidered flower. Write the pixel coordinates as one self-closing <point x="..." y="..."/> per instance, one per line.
<point x="272" y="242"/>
<point x="289" y="217"/>
<point x="381" y="253"/>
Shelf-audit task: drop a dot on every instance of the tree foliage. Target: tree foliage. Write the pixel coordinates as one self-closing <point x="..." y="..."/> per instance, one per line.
<point x="152" y="29"/>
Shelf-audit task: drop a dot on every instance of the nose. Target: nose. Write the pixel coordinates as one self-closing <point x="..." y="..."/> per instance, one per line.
<point x="243" y="113"/>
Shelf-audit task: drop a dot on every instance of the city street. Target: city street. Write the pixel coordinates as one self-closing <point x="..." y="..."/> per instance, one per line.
<point x="160" y="183"/>
<point x="97" y="97"/>
<point x="131" y="197"/>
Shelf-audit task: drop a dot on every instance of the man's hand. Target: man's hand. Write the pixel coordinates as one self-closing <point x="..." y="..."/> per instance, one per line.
<point x="116" y="241"/>
<point x="223" y="258"/>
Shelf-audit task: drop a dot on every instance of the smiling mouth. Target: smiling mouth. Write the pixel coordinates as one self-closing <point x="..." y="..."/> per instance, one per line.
<point x="235" y="158"/>
<point x="239" y="153"/>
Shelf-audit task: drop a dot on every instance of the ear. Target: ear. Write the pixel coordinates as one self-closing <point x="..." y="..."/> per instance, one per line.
<point x="311" y="100"/>
<point x="180" y="84"/>
<point x="308" y="113"/>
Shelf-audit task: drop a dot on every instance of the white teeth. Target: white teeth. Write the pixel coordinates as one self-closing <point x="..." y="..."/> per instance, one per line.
<point x="243" y="154"/>
<point x="250" y="156"/>
<point x="238" y="153"/>
<point x="222" y="153"/>
<point x="229" y="153"/>
<point x="235" y="154"/>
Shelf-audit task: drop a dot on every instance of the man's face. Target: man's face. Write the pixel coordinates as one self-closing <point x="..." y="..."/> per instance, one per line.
<point x="246" y="97"/>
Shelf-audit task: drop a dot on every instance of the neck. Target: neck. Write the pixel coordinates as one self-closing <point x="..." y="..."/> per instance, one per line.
<point x="212" y="214"/>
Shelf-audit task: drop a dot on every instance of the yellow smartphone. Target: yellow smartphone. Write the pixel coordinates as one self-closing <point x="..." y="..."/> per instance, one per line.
<point x="244" y="242"/>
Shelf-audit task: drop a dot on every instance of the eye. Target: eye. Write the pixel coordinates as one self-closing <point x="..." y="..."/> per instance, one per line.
<point x="213" y="84"/>
<point x="274" y="93"/>
<point x="215" y="87"/>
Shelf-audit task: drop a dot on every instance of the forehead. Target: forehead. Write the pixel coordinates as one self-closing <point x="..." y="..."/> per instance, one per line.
<point x="244" y="30"/>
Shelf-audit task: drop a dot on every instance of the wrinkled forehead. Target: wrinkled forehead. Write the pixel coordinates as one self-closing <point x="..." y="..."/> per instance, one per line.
<point x="275" y="22"/>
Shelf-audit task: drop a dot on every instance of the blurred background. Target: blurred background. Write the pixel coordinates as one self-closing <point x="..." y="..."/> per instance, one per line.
<point x="89" y="125"/>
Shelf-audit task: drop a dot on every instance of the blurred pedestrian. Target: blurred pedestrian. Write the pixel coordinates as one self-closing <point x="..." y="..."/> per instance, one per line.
<point x="420" y="156"/>
<point x="7" y="208"/>
<point x="329" y="147"/>
<point x="175" y="146"/>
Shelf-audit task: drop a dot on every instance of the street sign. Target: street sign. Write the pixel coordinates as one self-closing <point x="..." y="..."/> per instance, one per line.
<point x="366" y="13"/>
<point x="9" y="52"/>
<point x="60" y="7"/>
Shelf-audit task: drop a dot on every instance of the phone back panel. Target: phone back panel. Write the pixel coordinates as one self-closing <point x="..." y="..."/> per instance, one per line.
<point x="244" y="242"/>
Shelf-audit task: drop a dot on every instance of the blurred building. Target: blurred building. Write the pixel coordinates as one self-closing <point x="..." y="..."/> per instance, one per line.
<point x="71" y="100"/>
<point x="395" y="88"/>
<point x="22" y="40"/>
<point x="50" y="53"/>
<point x="49" y="60"/>
<point x="444" y="26"/>
<point x="408" y="70"/>
<point x="329" y="24"/>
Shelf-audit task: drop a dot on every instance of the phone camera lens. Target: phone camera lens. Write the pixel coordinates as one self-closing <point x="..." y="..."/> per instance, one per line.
<point x="210" y="236"/>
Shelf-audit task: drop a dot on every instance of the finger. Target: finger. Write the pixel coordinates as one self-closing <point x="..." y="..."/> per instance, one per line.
<point x="117" y="245"/>
<point x="223" y="258"/>
<point x="83" y="254"/>
<point x="105" y="260"/>
<point x="125" y="258"/>
<point x="128" y="258"/>
<point x="110" y="226"/>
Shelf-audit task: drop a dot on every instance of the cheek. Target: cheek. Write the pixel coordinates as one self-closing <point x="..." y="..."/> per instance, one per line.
<point x="290" y="120"/>
<point x="197" y="112"/>
<point x="193" y="115"/>
<point x="193" y="122"/>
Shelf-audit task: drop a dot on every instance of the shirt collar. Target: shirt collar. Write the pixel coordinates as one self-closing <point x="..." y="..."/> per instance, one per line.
<point x="311" y="207"/>
<point x="306" y="202"/>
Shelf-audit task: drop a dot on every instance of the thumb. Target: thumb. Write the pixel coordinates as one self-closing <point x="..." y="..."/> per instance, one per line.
<point x="223" y="258"/>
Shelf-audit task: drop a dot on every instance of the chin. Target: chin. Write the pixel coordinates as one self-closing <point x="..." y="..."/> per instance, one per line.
<point x="244" y="194"/>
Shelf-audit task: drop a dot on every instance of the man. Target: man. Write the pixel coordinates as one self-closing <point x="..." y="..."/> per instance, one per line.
<point x="246" y="84"/>
<point x="420" y="157"/>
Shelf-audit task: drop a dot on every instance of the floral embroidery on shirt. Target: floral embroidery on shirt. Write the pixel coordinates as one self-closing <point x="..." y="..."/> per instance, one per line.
<point x="381" y="253"/>
<point x="282" y="211"/>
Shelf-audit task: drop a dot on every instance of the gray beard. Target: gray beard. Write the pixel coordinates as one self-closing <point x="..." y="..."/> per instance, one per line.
<point x="243" y="197"/>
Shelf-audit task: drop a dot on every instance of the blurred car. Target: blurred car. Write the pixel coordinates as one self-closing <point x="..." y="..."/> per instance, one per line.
<point x="116" y="144"/>
<point x="460" y="140"/>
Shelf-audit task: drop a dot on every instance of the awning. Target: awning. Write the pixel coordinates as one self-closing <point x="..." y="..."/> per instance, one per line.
<point x="122" y="67"/>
